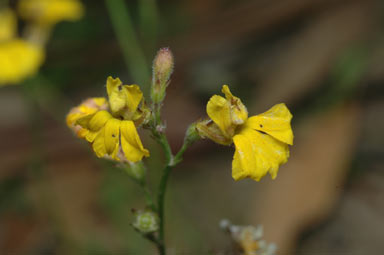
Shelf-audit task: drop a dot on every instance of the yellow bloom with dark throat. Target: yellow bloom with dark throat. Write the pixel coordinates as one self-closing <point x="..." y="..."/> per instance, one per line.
<point x="261" y="141"/>
<point x="110" y="125"/>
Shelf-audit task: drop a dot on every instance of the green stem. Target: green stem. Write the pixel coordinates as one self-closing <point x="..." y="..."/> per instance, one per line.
<point x="179" y="155"/>
<point x="171" y="162"/>
<point x="133" y="54"/>
<point x="160" y="206"/>
<point x="167" y="148"/>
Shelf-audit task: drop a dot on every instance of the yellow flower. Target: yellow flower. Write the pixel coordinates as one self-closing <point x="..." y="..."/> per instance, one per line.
<point x="111" y="126"/>
<point x="18" y="60"/>
<point x="124" y="99"/>
<point x="7" y="24"/>
<point x="261" y="141"/>
<point x="87" y="107"/>
<point x="107" y="134"/>
<point x="50" y="12"/>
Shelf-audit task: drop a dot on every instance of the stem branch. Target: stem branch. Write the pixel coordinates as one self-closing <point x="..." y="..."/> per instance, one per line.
<point x="171" y="162"/>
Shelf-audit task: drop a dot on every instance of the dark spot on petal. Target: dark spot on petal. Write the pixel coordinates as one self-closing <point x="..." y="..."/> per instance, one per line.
<point x="113" y="135"/>
<point x="120" y="87"/>
<point x="261" y="125"/>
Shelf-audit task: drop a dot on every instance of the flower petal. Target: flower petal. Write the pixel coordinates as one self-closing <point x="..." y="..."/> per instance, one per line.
<point x="133" y="96"/>
<point x="130" y="142"/>
<point x="275" y="122"/>
<point x="256" y="154"/>
<point x="219" y="110"/>
<point x="117" y="98"/>
<point x="98" y="120"/>
<point x="246" y="162"/>
<point x="85" y="111"/>
<point x="112" y="130"/>
<point x="99" y="101"/>
<point x="239" y="113"/>
<point x="19" y="59"/>
<point x="92" y="123"/>
<point x="99" y="144"/>
<point x="89" y="135"/>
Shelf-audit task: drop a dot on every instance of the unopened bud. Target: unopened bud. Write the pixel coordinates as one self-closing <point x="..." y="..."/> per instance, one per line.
<point x="192" y="134"/>
<point x="146" y="222"/>
<point x="162" y="70"/>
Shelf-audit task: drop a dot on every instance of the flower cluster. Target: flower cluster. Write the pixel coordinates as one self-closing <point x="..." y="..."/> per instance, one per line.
<point x="21" y="56"/>
<point x="261" y="141"/>
<point x="109" y="125"/>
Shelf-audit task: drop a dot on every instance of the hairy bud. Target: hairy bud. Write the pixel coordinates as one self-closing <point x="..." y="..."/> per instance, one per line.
<point x="162" y="70"/>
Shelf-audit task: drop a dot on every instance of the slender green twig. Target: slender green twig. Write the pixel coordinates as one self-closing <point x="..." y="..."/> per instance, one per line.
<point x="171" y="162"/>
<point x="133" y="54"/>
<point x="161" y="196"/>
<point x="179" y="155"/>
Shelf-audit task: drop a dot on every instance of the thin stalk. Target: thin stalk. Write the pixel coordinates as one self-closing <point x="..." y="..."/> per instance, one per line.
<point x="132" y="51"/>
<point x="179" y="155"/>
<point x="171" y="162"/>
<point x="160" y="205"/>
<point x="167" y="148"/>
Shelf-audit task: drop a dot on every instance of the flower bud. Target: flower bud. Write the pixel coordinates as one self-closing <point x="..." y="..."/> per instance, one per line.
<point x="162" y="70"/>
<point x="146" y="222"/>
<point x="192" y="134"/>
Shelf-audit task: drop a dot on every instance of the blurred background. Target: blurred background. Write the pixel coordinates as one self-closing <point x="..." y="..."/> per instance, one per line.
<point x="323" y="58"/>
